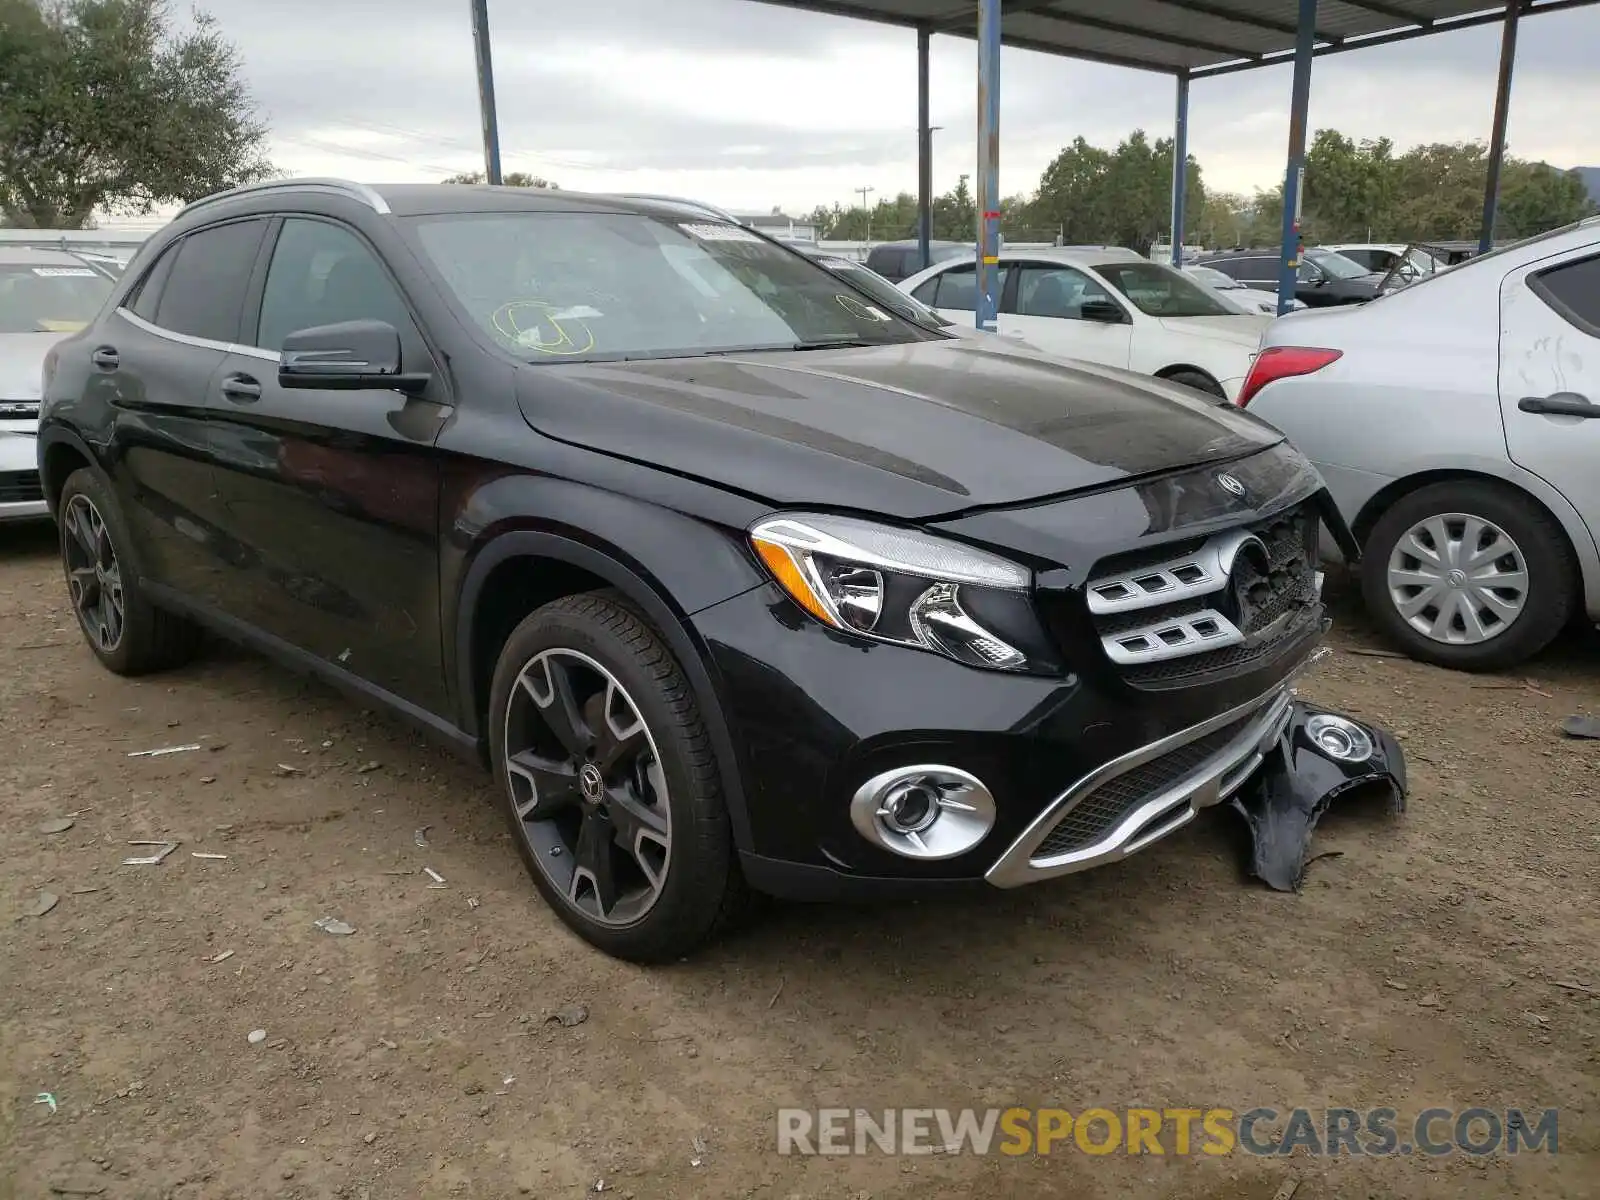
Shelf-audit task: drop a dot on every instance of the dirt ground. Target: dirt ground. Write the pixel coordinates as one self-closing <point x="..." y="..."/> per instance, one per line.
<point x="415" y="1057"/>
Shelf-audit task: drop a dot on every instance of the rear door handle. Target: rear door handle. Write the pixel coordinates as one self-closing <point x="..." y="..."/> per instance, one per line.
<point x="1562" y="404"/>
<point x="105" y="357"/>
<point x="241" y="388"/>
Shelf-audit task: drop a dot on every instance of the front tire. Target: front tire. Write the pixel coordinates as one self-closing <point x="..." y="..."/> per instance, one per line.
<point x="609" y="782"/>
<point x="1199" y="381"/>
<point x="1468" y="575"/>
<point x="126" y="631"/>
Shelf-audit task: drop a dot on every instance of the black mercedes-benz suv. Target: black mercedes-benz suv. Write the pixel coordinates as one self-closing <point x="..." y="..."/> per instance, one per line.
<point x="734" y="577"/>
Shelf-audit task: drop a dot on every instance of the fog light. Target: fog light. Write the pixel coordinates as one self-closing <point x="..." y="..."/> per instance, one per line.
<point x="923" y="811"/>
<point x="1338" y="738"/>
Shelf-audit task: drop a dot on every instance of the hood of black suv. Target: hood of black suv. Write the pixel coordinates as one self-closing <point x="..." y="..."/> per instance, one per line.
<point x="910" y="430"/>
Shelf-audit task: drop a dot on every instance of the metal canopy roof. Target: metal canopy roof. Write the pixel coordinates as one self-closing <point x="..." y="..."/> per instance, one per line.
<point x="1199" y="37"/>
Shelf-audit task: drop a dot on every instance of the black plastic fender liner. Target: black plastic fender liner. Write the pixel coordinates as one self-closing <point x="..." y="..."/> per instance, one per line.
<point x="1283" y="801"/>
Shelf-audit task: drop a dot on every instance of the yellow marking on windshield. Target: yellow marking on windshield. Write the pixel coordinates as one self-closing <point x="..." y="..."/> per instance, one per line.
<point x="508" y="323"/>
<point x="51" y="325"/>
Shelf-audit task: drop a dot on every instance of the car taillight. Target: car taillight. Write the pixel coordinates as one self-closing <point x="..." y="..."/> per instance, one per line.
<point x="1281" y="362"/>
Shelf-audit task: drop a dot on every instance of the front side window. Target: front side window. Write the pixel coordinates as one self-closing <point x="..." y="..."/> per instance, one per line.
<point x="576" y="286"/>
<point x="203" y="295"/>
<point x="1052" y="291"/>
<point x="1162" y="292"/>
<point x="50" y="298"/>
<point x="322" y="274"/>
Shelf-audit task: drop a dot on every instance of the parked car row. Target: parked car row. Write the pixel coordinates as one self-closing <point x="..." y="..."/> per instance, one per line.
<point x="734" y="573"/>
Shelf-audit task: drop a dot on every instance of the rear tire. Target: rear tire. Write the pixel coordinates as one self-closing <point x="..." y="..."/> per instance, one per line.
<point x="126" y="631"/>
<point x="609" y="781"/>
<point x="1199" y="381"/>
<point x="1486" y="613"/>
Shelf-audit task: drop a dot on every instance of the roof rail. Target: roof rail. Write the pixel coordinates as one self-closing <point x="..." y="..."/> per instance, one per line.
<point x="338" y="187"/>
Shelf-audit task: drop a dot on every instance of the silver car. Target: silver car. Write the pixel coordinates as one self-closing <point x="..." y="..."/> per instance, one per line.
<point x="1457" y="424"/>
<point x="45" y="295"/>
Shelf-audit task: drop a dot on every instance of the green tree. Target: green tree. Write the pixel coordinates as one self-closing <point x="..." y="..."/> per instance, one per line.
<point x="507" y="179"/>
<point x="104" y="106"/>
<point x="1121" y="197"/>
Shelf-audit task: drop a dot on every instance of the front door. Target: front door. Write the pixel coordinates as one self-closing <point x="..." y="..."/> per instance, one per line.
<point x="336" y="493"/>
<point x="1045" y="307"/>
<point x="1550" y="364"/>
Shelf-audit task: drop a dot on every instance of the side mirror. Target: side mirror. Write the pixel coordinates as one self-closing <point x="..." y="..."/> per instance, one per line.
<point x="345" y="357"/>
<point x="1105" y="311"/>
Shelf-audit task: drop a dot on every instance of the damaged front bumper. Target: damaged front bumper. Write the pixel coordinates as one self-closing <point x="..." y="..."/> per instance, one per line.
<point x="1278" y="760"/>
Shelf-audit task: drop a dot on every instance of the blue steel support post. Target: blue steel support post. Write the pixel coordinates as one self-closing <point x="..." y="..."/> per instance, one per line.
<point x="924" y="151"/>
<point x="1180" y="167"/>
<point x="988" y="163"/>
<point x="1294" y="176"/>
<point x="491" y="124"/>
<point x="1497" y="139"/>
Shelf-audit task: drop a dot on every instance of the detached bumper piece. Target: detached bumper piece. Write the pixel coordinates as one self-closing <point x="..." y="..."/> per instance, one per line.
<point x="1319" y="757"/>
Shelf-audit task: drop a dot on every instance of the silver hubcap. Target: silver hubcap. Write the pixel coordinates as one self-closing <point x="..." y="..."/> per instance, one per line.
<point x="94" y="577"/>
<point x="587" y="786"/>
<point x="1458" y="579"/>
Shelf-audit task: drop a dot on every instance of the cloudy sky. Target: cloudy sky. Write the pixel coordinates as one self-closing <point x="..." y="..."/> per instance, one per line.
<point x="752" y="106"/>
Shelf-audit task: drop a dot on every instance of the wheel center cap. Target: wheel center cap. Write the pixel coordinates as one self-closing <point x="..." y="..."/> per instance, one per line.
<point x="590" y="784"/>
<point x="1458" y="578"/>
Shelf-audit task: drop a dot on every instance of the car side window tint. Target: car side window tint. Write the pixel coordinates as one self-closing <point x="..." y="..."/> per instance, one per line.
<point x="323" y="274"/>
<point x="1052" y="291"/>
<point x="204" y="292"/>
<point x="958" y="288"/>
<point x="926" y="290"/>
<point x="1573" y="290"/>
<point x="1228" y="266"/>
<point x="149" y="296"/>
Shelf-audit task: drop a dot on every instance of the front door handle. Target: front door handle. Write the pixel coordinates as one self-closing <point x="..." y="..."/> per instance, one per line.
<point x="105" y="357"/>
<point x="1562" y="404"/>
<point x="241" y="388"/>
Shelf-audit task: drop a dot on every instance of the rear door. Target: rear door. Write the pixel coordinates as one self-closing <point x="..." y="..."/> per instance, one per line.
<point x="1550" y="363"/>
<point x="335" y="493"/>
<point x="155" y="359"/>
<point x="1045" y="307"/>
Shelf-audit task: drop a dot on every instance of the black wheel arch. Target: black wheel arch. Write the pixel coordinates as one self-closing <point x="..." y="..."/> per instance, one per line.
<point x="564" y="564"/>
<point x="61" y="452"/>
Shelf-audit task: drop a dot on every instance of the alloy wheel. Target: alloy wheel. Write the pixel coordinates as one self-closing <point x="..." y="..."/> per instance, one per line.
<point x="94" y="575"/>
<point x="1457" y="579"/>
<point x="587" y="786"/>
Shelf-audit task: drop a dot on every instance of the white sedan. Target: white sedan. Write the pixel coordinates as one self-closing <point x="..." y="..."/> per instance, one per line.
<point x="1106" y="306"/>
<point x="1248" y="299"/>
<point x="1457" y="425"/>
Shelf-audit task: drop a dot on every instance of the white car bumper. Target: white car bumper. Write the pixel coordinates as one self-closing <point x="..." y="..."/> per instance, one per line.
<point x="20" y="496"/>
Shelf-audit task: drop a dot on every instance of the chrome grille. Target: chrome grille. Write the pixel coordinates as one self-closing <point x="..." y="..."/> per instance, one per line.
<point x="1103" y="808"/>
<point x="1220" y="605"/>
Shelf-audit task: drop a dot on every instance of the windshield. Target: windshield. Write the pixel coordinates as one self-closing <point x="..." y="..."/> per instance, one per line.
<point x="885" y="293"/>
<point x="579" y="287"/>
<point x="1213" y="278"/>
<point x="1162" y="292"/>
<point x="1336" y="266"/>
<point x="49" y="299"/>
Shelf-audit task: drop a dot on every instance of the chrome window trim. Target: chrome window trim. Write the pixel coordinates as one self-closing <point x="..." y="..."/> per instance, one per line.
<point x="184" y="339"/>
<point x="1209" y="783"/>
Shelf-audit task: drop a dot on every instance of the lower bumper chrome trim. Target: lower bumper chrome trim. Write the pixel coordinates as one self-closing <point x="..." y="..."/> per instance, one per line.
<point x="1209" y="782"/>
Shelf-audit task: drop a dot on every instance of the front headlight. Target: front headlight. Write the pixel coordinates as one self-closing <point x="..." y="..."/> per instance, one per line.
<point x="900" y="586"/>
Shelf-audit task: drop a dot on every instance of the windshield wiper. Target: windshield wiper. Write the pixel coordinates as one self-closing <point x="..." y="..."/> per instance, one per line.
<point x="834" y="344"/>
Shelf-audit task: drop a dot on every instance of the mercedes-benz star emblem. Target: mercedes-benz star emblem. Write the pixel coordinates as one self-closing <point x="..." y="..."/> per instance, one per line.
<point x="590" y="784"/>
<point x="1230" y="484"/>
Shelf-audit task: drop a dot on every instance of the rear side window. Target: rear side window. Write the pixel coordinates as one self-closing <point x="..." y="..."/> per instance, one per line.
<point x="1573" y="290"/>
<point x="205" y="290"/>
<point x="149" y="297"/>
